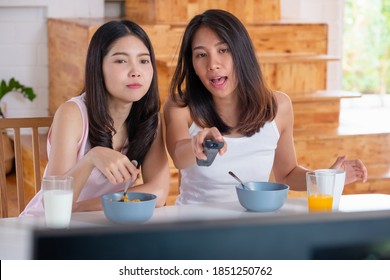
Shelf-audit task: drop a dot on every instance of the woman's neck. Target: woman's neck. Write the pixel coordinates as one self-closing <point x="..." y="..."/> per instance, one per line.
<point x="229" y="111"/>
<point x="119" y="115"/>
<point x="119" y="138"/>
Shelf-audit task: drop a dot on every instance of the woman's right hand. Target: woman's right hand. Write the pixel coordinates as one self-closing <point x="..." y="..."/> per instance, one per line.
<point x="115" y="166"/>
<point x="207" y="134"/>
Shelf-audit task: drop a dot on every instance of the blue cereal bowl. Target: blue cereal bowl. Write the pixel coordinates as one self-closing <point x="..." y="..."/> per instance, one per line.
<point x="128" y="212"/>
<point x="262" y="196"/>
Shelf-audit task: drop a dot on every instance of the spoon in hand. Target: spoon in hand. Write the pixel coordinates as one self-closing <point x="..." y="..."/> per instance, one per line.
<point x="238" y="179"/>
<point x="135" y="163"/>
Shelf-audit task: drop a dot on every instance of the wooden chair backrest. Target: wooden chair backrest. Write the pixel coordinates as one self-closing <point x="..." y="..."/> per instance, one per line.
<point x="16" y="124"/>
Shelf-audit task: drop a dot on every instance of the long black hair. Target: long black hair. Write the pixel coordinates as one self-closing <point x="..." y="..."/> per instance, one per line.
<point x="186" y="89"/>
<point x="142" y="121"/>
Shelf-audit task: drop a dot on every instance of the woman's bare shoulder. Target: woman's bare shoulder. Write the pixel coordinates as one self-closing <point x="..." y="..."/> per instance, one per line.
<point x="68" y="116"/>
<point x="285" y="116"/>
<point x="171" y="108"/>
<point x="68" y="111"/>
<point x="282" y="98"/>
<point x="171" y="103"/>
<point x="284" y="103"/>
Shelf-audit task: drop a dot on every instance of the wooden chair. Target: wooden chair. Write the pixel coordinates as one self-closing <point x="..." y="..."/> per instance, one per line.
<point x="16" y="124"/>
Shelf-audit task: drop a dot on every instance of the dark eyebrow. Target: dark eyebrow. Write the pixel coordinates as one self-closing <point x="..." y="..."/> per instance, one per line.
<point x="126" y="54"/>
<point x="217" y="44"/>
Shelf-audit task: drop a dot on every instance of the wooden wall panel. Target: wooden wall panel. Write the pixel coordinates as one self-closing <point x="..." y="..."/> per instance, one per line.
<point x="289" y="38"/>
<point x="295" y="78"/>
<point x="141" y="11"/>
<point x="316" y="113"/>
<point x="165" y="38"/>
<point x="266" y="37"/>
<point x="315" y="150"/>
<point x="68" y="44"/>
<point x="181" y="11"/>
<point x="165" y="70"/>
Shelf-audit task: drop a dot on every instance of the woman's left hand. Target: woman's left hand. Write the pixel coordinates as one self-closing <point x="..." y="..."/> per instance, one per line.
<point x="355" y="170"/>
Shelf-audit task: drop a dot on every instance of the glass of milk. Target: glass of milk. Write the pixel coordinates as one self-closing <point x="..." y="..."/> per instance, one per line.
<point x="57" y="200"/>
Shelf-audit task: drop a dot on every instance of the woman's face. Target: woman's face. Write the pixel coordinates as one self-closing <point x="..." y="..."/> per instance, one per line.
<point x="127" y="69"/>
<point x="213" y="63"/>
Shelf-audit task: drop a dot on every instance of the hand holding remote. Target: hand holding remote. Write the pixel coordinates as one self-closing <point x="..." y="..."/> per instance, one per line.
<point x="211" y="149"/>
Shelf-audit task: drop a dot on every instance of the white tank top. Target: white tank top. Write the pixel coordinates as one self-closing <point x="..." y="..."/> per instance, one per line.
<point x="250" y="158"/>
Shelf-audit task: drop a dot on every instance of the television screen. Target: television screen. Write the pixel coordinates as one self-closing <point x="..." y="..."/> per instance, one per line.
<point x="363" y="235"/>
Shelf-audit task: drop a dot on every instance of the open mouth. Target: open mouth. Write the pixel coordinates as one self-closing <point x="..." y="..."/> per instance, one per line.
<point x="219" y="82"/>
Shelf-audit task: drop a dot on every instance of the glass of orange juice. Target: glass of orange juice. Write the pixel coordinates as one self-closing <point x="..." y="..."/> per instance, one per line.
<point x="320" y="188"/>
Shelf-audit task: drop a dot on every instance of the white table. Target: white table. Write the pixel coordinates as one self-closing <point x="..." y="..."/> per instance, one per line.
<point x="16" y="233"/>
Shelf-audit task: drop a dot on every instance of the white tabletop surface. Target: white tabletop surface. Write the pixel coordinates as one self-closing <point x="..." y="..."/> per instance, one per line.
<point x="15" y="233"/>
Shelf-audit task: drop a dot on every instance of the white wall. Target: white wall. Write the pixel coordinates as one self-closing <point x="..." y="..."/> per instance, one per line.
<point x="23" y="46"/>
<point x="24" y="52"/>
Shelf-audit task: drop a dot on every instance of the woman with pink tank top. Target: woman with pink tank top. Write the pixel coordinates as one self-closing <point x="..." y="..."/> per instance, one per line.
<point x="95" y="136"/>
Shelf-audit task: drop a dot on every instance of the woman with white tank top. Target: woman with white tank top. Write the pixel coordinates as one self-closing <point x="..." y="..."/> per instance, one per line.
<point x="218" y="93"/>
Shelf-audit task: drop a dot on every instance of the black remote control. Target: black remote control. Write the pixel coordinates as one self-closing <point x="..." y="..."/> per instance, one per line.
<point x="211" y="149"/>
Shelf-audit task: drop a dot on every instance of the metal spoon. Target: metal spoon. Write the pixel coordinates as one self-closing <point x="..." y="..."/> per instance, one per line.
<point x="239" y="180"/>
<point x="135" y="163"/>
<point x="125" y="191"/>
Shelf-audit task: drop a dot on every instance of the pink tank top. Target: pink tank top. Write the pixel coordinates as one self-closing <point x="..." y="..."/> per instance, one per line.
<point x="96" y="185"/>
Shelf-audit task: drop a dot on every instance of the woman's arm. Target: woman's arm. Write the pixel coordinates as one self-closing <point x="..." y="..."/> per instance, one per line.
<point x="65" y="134"/>
<point x="183" y="148"/>
<point x="286" y="168"/>
<point x="177" y="121"/>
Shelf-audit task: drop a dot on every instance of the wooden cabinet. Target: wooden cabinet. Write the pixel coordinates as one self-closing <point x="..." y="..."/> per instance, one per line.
<point x="68" y="45"/>
<point x="174" y="11"/>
